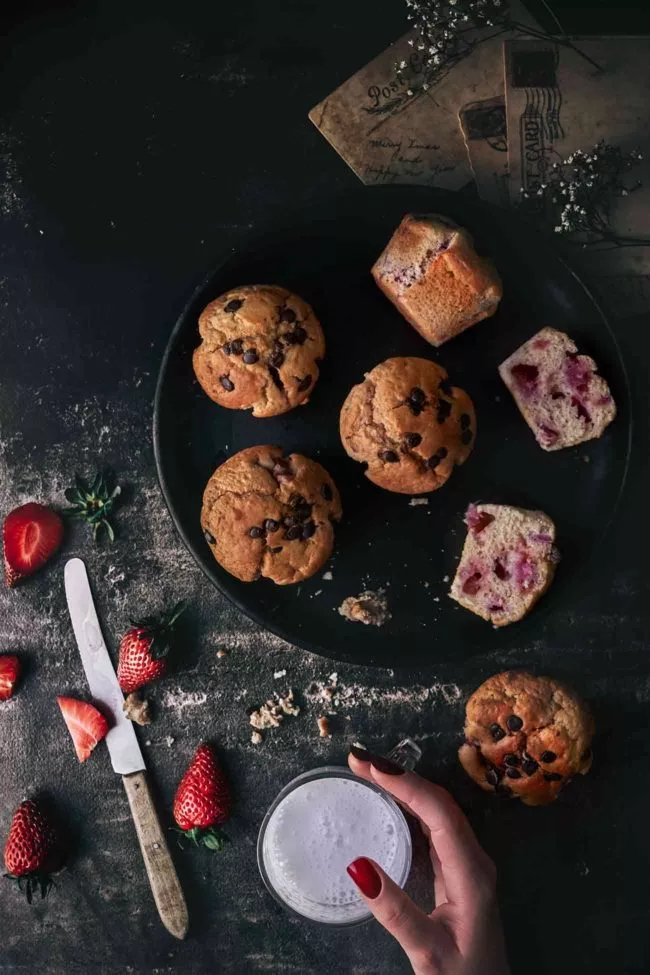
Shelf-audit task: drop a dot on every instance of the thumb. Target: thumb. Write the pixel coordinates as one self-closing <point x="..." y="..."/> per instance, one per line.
<point x="394" y="909"/>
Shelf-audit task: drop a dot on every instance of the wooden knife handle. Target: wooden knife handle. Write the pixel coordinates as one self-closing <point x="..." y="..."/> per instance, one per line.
<point x="165" y="885"/>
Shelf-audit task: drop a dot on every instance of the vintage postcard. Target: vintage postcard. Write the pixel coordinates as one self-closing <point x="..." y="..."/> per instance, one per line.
<point x="483" y="124"/>
<point x="557" y="102"/>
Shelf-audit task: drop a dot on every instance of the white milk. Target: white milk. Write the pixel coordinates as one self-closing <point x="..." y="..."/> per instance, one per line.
<point x="316" y="830"/>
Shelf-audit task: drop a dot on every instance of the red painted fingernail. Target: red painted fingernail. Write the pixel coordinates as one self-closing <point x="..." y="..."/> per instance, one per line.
<point x="365" y="877"/>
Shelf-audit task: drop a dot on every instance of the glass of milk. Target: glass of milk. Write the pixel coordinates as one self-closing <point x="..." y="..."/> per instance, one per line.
<point x="319" y="823"/>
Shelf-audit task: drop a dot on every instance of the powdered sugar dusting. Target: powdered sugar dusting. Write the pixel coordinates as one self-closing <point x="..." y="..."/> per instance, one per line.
<point x="332" y="694"/>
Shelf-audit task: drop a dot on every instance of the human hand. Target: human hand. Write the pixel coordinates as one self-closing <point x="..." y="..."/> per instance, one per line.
<point x="463" y="935"/>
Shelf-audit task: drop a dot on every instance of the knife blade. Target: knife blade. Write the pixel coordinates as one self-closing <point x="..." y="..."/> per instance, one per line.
<point x="124" y="751"/>
<point x="121" y="740"/>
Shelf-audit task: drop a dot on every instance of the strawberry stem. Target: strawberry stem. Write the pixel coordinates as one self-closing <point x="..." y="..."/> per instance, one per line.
<point x="94" y="502"/>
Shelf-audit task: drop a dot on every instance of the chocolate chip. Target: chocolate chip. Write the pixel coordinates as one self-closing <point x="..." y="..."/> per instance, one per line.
<point x="418" y="395"/>
<point x="433" y="462"/>
<point x="466" y="437"/>
<point x="326" y="491"/>
<point x="389" y="456"/>
<point x="308" y="530"/>
<point x="513" y="773"/>
<point x="552" y="776"/>
<point x="210" y="539"/>
<point x="290" y="520"/>
<point x="276" y="359"/>
<point x="292" y="533"/>
<point x="413" y="439"/>
<point x="492" y="777"/>
<point x="297" y="337"/>
<point x="234" y="305"/>
<point x="256" y="532"/>
<point x="271" y="525"/>
<point x="530" y="766"/>
<point x="250" y="356"/>
<point x="287" y="315"/>
<point x="278" y="548"/>
<point x="446" y="387"/>
<point x="304" y="383"/>
<point x="514" y="723"/>
<point x="227" y="384"/>
<point x="497" y="732"/>
<point x="547" y="757"/>
<point x="227" y="348"/>
<point x="237" y="346"/>
<point x="465" y="420"/>
<point x="275" y="376"/>
<point x="444" y="410"/>
<point x="512" y="759"/>
<point x="295" y="500"/>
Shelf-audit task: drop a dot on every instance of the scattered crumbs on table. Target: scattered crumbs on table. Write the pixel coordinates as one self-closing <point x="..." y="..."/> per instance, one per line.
<point x="137" y="709"/>
<point x="257" y="738"/>
<point x="318" y="592"/>
<point x="323" y="727"/>
<point x="415" y="502"/>
<point x="278" y="674"/>
<point x="169" y="741"/>
<point x="445" y="578"/>
<point x="221" y="653"/>
<point x="271" y="714"/>
<point x="369" y="608"/>
<point x="426" y="585"/>
<point x="586" y="459"/>
<point x="327" y="576"/>
<point x="497" y="399"/>
<point x="436" y="599"/>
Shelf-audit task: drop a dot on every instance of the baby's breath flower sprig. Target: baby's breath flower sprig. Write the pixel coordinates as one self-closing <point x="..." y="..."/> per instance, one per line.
<point x="446" y="32"/>
<point x="579" y="193"/>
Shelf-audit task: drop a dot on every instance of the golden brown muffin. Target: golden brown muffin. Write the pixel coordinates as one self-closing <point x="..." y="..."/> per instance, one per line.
<point x="526" y="737"/>
<point x="434" y="277"/>
<point x="408" y="425"/>
<point x="508" y="562"/>
<point x="260" y="350"/>
<point x="267" y="514"/>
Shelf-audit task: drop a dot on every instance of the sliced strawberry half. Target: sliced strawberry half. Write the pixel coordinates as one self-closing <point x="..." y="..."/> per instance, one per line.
<point x="86" y="725"/>
<point x="31" y="535"/>
<point x="9" y="674"/>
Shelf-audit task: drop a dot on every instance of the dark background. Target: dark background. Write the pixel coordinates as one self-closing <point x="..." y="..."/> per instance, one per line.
<point x="136" y="140"/>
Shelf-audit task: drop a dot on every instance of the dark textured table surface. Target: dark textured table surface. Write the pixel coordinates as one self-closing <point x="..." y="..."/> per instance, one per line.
<point x="135" y="140"/>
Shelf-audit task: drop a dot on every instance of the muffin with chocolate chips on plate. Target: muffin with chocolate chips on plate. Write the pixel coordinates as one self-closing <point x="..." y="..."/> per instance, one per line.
<point x="408" y="425"/>
<point x="269" y="515"/>
<point x="260" y="350"/>
<point x="526" y="737"/>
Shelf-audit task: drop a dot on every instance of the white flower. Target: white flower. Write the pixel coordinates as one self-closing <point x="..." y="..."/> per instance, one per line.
<point x="409" y="91"/>
<point x="425" y="86"/>
<point x="623" y="192"/>
<point x="558" y="230"/>
<point x="437" y="59"/>
<point x="411" y="43"/>
<point x="402" y="64"/>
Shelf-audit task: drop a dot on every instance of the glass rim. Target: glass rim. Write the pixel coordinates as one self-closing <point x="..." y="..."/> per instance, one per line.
<point x="329" y="772"/>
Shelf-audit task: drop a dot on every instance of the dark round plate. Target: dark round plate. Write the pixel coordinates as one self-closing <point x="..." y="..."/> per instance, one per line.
<point x="410" y="551"/>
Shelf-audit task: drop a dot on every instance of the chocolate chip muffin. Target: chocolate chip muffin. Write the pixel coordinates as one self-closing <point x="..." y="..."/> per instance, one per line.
<point x="267" y="514"/>
<point x="260" y="349"/>
<point x="526" y="737"/>
<point x="408" y="424"/>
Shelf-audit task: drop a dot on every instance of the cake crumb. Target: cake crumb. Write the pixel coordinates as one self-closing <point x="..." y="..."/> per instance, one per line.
<point x="445" y="578"/>
<point x="414" y="502"/>
<point x="271" y="713"/>
<point x="278" y="674"/>
<point x="221" y="653"/>
<point x="136" y="709"/>
<point x="257" y="738"/>
<point x="586" y="459"/>
<point x="327" y="576"/>
<point x="323" y="727"/>
<point x="369" y="608"/>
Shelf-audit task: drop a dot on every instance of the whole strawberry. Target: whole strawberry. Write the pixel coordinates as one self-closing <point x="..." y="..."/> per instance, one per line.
<point x="143" y="650"/>
<point x="202" y="800"/>
<point x="31" y="534"/>
<point x="9" y="674"/>
<point x="32" y="850"/>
